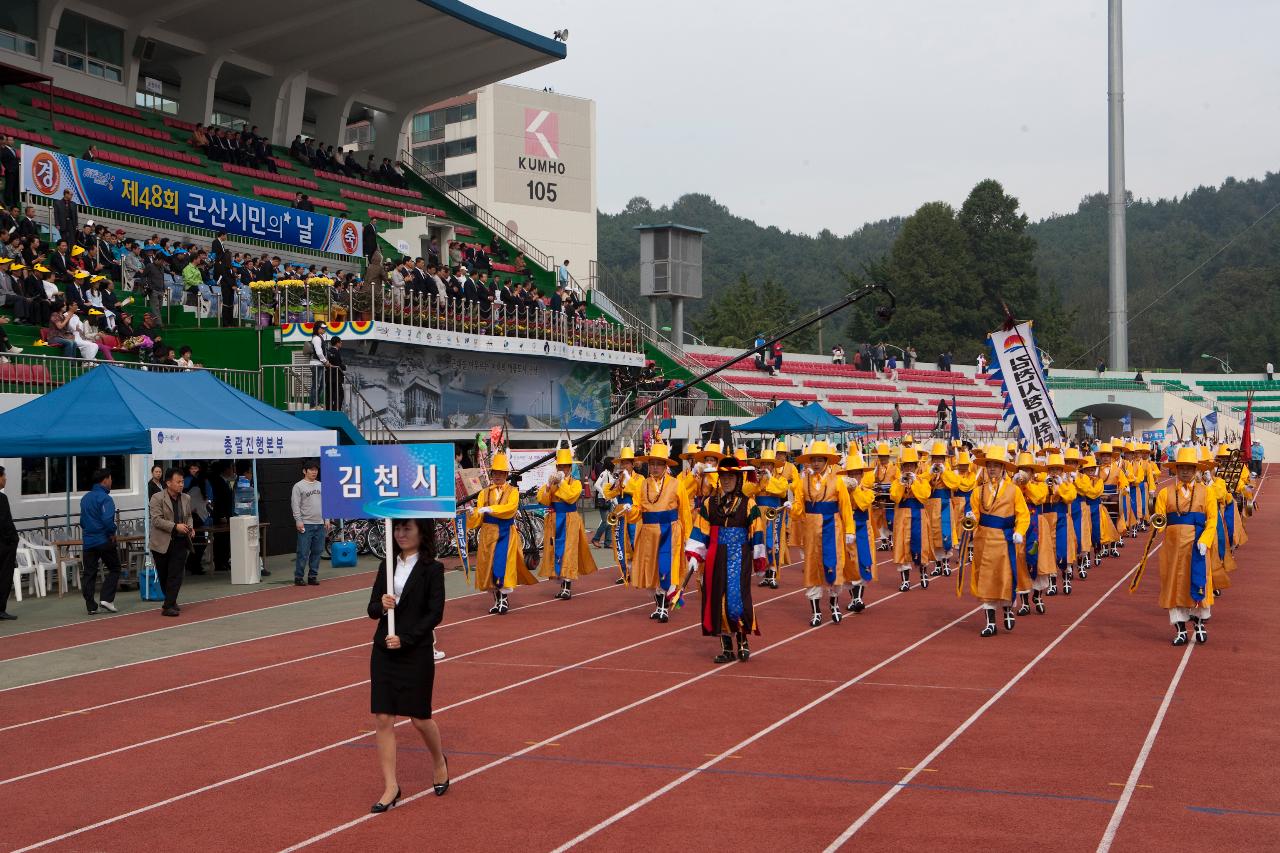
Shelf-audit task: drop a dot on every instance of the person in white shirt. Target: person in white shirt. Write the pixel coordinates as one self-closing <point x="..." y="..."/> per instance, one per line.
<point x="184" y="359"/>
<point x="88" y="349"/>
<point x="317" y="361"/>
<point x="1271" y="370"/>
<point x="982" y="363"/>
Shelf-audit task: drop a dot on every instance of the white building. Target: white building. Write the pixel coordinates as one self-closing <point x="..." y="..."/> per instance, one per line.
<point x="526" y="156"/>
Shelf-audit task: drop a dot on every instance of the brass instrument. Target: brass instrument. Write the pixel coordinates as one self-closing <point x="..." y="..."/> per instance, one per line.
<point x="770" y="513"/>
<point x="1159" y="520"/>
<point x="616" y="513"/>
<point x="968" y="524"/>
<point x="907" y="478"/>
<point x="1052" y="481"/>
<point x="936" y="469"/>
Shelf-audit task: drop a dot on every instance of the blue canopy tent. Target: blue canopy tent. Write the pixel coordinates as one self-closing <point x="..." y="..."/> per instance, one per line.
<point x="113" y="411"/>
<point x="786" y="419"/>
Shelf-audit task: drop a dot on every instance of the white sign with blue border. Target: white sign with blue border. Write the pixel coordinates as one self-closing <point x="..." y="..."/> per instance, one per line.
<point x="388" y="481"/>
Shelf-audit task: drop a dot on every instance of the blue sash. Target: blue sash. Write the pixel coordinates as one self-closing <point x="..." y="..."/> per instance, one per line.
<point x="968" y="501"/>
<point x="1199" y="568"/>
<point x="1077" y="521"/>
<point x="770" y="528"/>
<point x="1142" y="490"/>
<point x="1060" y="539"/>
<point x="1133" y="500"/>
<point x="1230" y="515"/>
<point x="830" y="556"/>
<point x="862" y="541"/>
<point x="500" y="548"/>
<point x="561" y="510"/>
<point x="624" y="529"/>
<point x="1030" y="547"/>
<point x="1095" y="520"/>
<point x="664" y="520"/>
<point x="1222" y="537"/>
<point x="945" y="495"/>
<point x="733" y="540"/>
<point x="913" y="541"/>
<point x="1005" y="523"/>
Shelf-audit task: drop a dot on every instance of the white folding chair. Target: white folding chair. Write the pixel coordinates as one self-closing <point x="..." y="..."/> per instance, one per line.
<point x="45" y="560"/>
<point x="26" y="567"/>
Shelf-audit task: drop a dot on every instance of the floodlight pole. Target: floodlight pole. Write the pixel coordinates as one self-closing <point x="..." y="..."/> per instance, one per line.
<point x="1118" y="283"/>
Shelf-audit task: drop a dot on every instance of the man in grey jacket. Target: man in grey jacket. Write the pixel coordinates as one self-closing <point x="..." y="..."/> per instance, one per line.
<point x="309" y="519"/>
<point x="170" y="537"/>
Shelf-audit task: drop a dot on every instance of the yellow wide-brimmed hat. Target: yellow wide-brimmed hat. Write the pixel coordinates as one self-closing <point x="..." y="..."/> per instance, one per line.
<point x="883" y="449"/>
<point x="963" y="458"/>
<point x="500" y="462"/>
<point x="768" y="456"/>
<point x="780" y="448"/>
<point x="939" y="449"/>
<point x="1027" y="461"/>
<point x="1055" y="460"/>
<point x="855" y="464"/>
<point x="1186" y="456"/>
<point x="658" y="453"/>
<point x="820" y="449"/>
<point x="713" y="452"/>
<point x="907" y="439"/>
<point x="998" y="454"/>
<point x="910" y="456"/>
<point x="627" y="454"/>
<point x="1088" y="462"/>
<point x="1072" y="455"/>
<point x="564" y="456"/>
<point x="693" y="449"/>
<point x="79" y="274"/>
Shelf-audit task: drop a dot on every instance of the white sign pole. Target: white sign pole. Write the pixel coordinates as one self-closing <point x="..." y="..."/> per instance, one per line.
<point x="391" y="583"/>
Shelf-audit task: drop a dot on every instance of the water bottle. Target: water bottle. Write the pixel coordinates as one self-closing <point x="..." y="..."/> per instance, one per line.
<point x="244" y="496"/>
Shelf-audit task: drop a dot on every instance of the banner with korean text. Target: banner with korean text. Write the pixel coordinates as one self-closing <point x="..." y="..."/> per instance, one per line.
<point x="239" y="443"/>
<point x="388" y="481"/>
<point x="93" y="184"/>
<point x="1027" y="403"/>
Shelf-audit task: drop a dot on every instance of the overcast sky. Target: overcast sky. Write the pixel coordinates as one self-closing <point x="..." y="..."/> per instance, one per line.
<point x="816" y="114"/>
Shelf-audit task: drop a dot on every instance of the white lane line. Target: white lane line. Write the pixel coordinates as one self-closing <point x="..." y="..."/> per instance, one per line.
<point x="746" y="742"/>
<point x="963" y="727"/>
<point x="155" y="693"/>
<point x="318" y="750"/>
<point x="1113" y="825"/>
<point x="300" y="699"/>
<point x="329" y="833"/>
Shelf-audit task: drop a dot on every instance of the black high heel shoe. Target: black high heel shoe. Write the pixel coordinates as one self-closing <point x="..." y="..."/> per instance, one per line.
<point x="380" y="807"/>
<point x="442" y="787"/>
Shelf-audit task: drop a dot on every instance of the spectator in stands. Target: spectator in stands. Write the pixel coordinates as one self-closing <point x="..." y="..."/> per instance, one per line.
<point x="27" y="227"/>
<point x="318" y="360"/>
<point x="911" y="357"/>
<point x="12" y="165"/>
<point x="1256" y="455"/>
<point x="776" y="367"/>
<point x="66" y="217"/>
<point x="60" y="262"/>
<point x="199" y="139"/>
<point x="130" y="264"/>
<point x="562" y="273"/>
<point x="857" y="359"/>
<point x="1137" y="377"/>
<point x="90" y="154"/>
<point x="896" y="418"/>
<point x="557" y="299"/>
<point x="1101" y="367"/>
<point x="353" y="168"/>
<point x="301" y="201"/>
<point x="298" y="148"/>
<point x="1271" y="372"/>
<point x="837" y="354"/>
<point x="944" y="362"/>
<point x="982" y="364"/>
<point x="185" y="361"/>
<point x="263" y="155"/>
<point x="941" y="422"/>
<point x="9" y="217"/>
<point x="891" y="367"/>
<point x="877" y="356"/>
<point x="60" y="334"/>
<point x="153" y="276"/>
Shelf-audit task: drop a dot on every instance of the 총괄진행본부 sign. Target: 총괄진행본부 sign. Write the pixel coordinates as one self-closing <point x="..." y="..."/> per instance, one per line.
<point x="388" y="481"/>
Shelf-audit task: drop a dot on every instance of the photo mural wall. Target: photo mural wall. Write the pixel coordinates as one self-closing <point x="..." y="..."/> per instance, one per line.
<point x="416" y="387"/>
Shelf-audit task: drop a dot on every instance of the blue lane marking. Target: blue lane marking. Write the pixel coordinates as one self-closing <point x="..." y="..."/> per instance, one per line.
<point x="1209" y="810"/>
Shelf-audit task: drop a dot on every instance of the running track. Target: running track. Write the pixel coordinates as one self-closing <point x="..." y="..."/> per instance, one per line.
<point x="584" y="725"/>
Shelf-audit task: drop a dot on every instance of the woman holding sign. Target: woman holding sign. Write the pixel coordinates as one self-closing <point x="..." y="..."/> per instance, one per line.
<point x="401" y="665"/>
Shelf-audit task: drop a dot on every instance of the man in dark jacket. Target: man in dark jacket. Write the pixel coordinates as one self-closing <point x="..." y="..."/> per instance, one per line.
<point x="153" y="277"/>
<point x="98" y="525"/>
<point x="12" y="169"/>
<point x="65" y="216"/>
<point x="223" y="508"/>
<point x="8" y="550"/>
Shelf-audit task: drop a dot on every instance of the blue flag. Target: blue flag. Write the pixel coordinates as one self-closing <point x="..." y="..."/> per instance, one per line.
<point x="1210" y="422"/>
<point x="1126" y="423"/>
<point x="955" y="419"/>
<point x="1168" y="428"/>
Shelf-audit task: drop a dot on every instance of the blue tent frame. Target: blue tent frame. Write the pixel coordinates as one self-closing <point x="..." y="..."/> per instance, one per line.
<point x="787" y="419"/>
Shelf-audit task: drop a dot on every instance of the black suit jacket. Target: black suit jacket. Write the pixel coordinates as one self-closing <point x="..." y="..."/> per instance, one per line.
<point x="26" y="227"/>
<point x="9" y="536"/>
<point x="66" y="217"/>
<point x="421" y="605"/>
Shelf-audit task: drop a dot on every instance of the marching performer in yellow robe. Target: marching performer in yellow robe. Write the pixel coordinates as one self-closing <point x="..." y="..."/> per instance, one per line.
<point x="623" y="492"/>
<point x="823" y="522"/>
<point x="1102" y="531"/>
<point x="912" y="529"/>
<point x="861" y="555"/>
<point x="1057" y="537"/>
<point x="1221" y="561"/>
<point x="1081" y="520"/>
<point x="1136" y="473"/>
<point x="1115" y="490"/>
<point x="1191" y="513"/>
<point x="773" y="496"/>
<point x="566" y="553"/>
<point x="662" y="514"/>
<point x="943" y="523"/>
<point x="1002" y="520"/>
<point x="883" y="477"/>
<point x="499" y="556"/>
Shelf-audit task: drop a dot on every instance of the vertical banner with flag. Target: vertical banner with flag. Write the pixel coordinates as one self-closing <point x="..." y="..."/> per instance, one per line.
<point x="1210" y="422"/>
<point x="1246" y="434"/>
<point x="1126" y="424"/>
<point x="1026" y="393"/>
<point x="955" y="420"/>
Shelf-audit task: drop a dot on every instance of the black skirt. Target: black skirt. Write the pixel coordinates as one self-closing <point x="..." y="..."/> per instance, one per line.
<point x="400" y="680"/>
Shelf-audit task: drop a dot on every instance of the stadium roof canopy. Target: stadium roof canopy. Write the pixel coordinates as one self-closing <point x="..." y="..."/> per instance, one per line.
<point x="284" y="57"/>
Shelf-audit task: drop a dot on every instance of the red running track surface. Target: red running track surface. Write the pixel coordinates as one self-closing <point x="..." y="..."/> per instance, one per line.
<point x="585" y="725"/>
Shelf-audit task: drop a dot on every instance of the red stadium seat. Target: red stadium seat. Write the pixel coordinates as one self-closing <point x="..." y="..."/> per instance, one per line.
<point x="369" y="185"/>
<point x="263" y="175"/>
